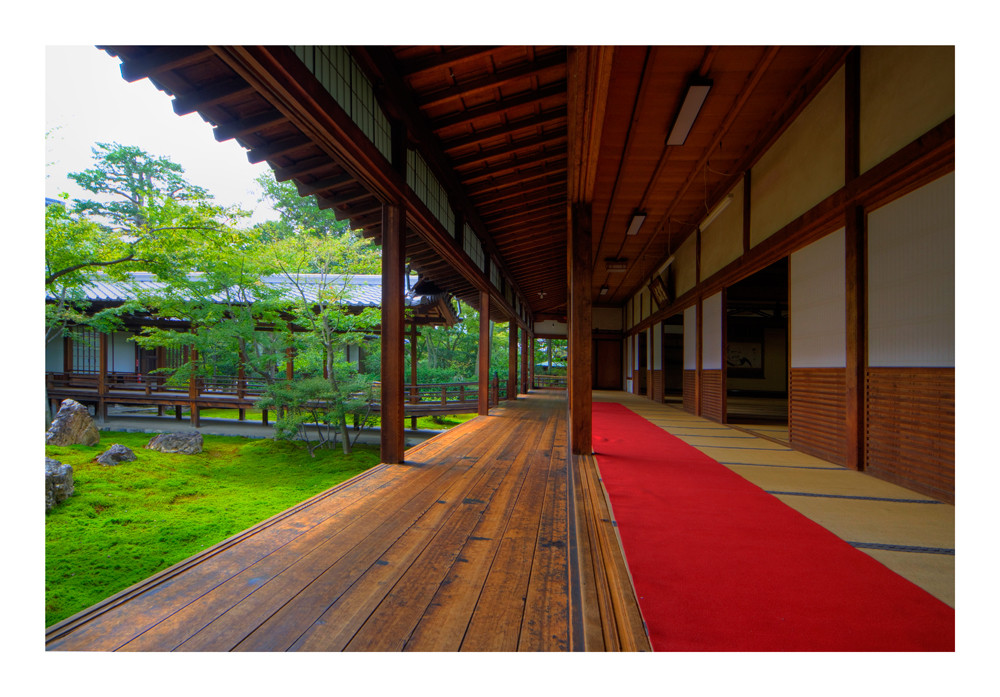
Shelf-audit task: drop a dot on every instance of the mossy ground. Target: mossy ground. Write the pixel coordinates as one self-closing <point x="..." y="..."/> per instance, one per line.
<point x="127" y="522"/>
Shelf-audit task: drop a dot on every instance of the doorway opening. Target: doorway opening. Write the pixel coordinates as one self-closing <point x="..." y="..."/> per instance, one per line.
<point x="673" y="359"/>
<point x="757" y="352"/>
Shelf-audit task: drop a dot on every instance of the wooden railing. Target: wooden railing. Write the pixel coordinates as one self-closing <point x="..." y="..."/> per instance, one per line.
<point x="541" y="381"/>
<point x="447" y="395"/>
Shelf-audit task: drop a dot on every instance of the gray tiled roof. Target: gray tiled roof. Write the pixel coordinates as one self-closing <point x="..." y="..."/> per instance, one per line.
<point x="359" y="290"/>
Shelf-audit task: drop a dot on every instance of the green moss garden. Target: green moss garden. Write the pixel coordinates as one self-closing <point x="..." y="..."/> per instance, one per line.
<point x="127" y="522"/>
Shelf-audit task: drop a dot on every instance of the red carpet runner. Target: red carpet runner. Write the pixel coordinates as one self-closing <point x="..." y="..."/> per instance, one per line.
<point x="720" y="565"/>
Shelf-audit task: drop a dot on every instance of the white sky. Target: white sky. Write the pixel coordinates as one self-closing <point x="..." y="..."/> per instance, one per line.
<point x="87" y="101"/>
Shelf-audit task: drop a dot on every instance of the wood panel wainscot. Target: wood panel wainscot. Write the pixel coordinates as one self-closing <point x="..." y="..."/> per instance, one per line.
<point x="713" y="404"/>
<point x="656" y="385"/>
<point x="910" y="428"/>
<point x="817" y="412"/>
<point x="690" y="400"/>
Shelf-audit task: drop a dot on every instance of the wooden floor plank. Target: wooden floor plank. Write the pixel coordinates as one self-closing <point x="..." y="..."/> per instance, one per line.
<point x="546" y="626"/>
<point x="359" y="545"/>
<point x="496" y="622"/>
<point x="466" y="546"/>
<point x="383" y="614"/>
<point x="214" y="604"/>
<point x="442" y="626"/>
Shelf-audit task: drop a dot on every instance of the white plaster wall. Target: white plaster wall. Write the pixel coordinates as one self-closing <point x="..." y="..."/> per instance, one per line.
<point x="656" y="352"/>
<point x="691" y="338"/>
<point x="911" y="279"/>
<point x="551" y="327"/>
<point x="121" y="353"/>
<point x="804" y="166"/>
<point x="722" y="241"/>
<point x="711" y="333"/>
<point x="818" y="304"/>
<point x="905" y="92"/>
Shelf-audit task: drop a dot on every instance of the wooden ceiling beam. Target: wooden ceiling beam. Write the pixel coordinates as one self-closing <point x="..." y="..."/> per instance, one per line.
<point x="277" y="148"/>
<point x="530" y="200"/>
<point x="394" y="91"/>
<point x="500" y="106"/>
<point x="527" y="216"/>
<point x="549" y="116"/>
<point x="310" y="188"/>
<point x="555" y="136"/>
<point x="242" y="127"/>
<point x="490" y="198"/>
<point x="551" y="215"/>
<point x="162" y="60"/>
<point x="447" y="58"/>
<point x="211" y="95"/>
<point x="498" y="184"/>
<point x="345" y="199"/>
<point x="493" y="81"/>
<point x="732" y="114"/>
<point x="308" y="166"/>
<point x="512" y="165"/>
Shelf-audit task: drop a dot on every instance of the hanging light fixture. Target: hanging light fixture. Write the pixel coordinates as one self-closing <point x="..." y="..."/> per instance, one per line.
<point x="638" y="217"/>
<point x="697" y="92"/>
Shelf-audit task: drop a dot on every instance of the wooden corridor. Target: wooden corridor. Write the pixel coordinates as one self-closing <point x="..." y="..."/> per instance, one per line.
<point x="475" y="544"/>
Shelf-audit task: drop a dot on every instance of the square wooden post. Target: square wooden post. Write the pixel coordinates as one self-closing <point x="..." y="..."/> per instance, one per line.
<point x="579" y="385"/>
<point x="413" y="370"/>
<point x="512" y="360"/>
<point x="193" y="389"/>
<point x="102" y="376"/>
<point x="393" y="330"/>
<point x="524" y="361"/>
<point x="484" y="353"/>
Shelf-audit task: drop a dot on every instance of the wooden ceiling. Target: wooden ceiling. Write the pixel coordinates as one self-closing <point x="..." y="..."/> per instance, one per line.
<point x="492" y="123"/>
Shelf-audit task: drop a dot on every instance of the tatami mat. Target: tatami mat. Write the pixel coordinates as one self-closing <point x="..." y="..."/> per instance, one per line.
<point x="869" y="513"/>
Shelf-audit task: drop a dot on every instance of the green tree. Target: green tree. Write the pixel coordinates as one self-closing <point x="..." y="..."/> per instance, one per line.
<point x="298" y="214"/>
<point x="163" y="230"/>
<point x="130" y="181"/>
<point x="317" y="302"/>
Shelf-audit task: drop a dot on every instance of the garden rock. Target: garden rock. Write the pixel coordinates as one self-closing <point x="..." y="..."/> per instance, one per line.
<point x="183" y="443"/>
<point x="116" y="454"/>
<point x="72" y="425"/>
<point x="58" y="483"/>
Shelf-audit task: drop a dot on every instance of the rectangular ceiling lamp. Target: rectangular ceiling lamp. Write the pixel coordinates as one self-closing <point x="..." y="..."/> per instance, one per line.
<point x="694" y="99"/>
<point x="612" y="264"/>
<point x="637" y="219"/>
<point x="604" y="290"/>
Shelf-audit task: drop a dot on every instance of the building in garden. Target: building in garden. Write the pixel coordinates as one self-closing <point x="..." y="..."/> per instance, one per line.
<point x="134" y="375"/>
<point x="746" y="240"/>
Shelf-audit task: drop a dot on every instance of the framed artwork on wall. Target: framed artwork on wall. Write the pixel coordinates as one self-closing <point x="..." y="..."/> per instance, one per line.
<point x="745" y="359"/>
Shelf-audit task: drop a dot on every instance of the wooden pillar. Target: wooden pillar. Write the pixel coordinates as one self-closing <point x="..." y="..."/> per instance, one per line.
<point x="856" y="300"/>
<point x="512" y="360"/>
<point x="68" y="354"/>
<point x="241" y="386"/>
<point x="393" y="329"/>
<point x="580" y="336"/>
<point x="193" y="389"/>
<point x="531" y="361"/>
<point x="857" y="353"/>
<point x="102" y="375"/>
<point x="413" y="370"/>
<point x="484" y="353"/>
<point x="524" y="361"/>
<point x="290" y="363"/>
